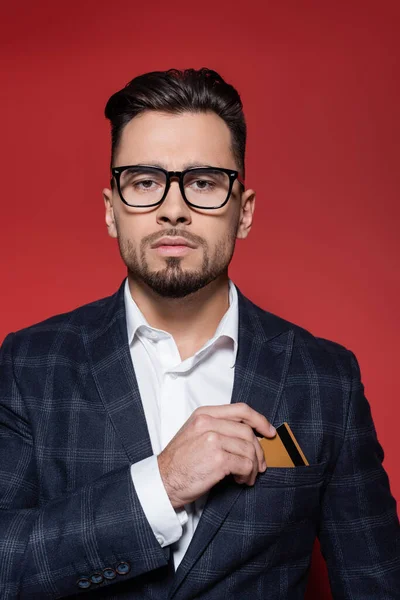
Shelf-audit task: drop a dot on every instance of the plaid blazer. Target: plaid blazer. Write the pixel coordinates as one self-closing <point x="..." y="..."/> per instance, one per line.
<point x="72" y="423"/>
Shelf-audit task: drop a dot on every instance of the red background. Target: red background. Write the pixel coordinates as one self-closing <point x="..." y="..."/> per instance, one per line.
<point x="320" y="86"/>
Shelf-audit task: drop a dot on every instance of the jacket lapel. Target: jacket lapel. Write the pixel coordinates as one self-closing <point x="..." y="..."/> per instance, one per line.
<point x="264" y="352"/>
<point x="111" y="366"/>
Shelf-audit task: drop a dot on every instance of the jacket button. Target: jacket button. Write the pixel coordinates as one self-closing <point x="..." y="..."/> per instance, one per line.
<point x="83" y="583"/>
<point x="109" y="573"/>
<point x="123" y="568"/>
<point x="96" y="577"/>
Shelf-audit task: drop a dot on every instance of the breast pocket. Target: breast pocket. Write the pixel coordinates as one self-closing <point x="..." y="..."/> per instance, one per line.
<point x="292" y="476"/>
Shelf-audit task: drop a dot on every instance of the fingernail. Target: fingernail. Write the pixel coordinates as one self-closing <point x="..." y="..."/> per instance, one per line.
<point x="272" y="430"/>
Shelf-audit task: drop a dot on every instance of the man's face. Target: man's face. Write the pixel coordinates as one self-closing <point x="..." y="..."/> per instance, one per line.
<point x="176" y="142"/>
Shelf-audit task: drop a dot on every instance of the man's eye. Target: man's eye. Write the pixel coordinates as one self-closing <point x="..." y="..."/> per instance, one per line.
<point x="203" y="184"/>
<point x="145" y="184"/>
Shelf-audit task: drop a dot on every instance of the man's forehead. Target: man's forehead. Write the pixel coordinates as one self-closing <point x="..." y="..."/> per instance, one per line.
<point x="192" y="139"/>
<point x="159" y="124"/>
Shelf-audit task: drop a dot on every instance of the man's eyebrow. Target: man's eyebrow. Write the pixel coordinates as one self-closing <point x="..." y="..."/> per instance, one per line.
<point x="189" y="165"/>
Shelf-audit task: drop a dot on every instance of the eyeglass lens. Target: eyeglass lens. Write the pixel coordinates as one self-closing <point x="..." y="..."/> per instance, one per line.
<point x="203" y="187"/>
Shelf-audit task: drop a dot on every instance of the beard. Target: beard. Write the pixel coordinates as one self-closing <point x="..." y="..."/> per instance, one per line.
<point x="174" y="280"/>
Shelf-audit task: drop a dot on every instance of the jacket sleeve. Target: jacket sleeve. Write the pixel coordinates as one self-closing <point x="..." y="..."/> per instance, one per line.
<point x="359" y="529"/>
<point x="45" y="549"/>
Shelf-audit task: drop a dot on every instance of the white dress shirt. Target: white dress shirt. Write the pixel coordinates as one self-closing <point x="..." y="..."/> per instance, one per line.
<point x="171" y="389"/>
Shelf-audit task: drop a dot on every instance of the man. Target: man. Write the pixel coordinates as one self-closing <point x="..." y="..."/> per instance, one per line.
<point x="130" y="464"/>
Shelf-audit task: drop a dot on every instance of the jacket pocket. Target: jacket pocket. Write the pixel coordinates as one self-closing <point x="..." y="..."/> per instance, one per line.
<point x="292" y="476"/>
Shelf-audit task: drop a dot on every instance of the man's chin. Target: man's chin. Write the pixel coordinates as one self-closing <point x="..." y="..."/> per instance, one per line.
<point x="172" y="287"/>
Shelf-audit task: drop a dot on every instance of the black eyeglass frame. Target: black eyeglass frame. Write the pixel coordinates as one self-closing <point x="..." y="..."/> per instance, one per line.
<point x="233" y="175"/>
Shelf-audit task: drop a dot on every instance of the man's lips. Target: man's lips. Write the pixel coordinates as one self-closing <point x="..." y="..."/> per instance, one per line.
<point x="173" y="241"/>
<point x="173" y="250"/>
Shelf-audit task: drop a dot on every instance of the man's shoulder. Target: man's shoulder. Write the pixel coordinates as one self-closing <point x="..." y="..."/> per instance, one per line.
<point x="67" y="324"/>
<point x="304" y="340"/>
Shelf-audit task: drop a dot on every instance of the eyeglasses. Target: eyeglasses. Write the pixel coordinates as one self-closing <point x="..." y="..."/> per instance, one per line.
<point x="201" y="187"/>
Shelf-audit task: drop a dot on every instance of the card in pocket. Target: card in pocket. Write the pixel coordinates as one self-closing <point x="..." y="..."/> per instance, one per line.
<point x="283" y="450"/>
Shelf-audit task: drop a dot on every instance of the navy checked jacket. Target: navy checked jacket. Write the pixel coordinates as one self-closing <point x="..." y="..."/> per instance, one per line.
<point x="72" y="423"/>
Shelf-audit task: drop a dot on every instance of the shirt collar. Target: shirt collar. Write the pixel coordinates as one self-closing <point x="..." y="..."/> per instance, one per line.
<point x="228" y="326"/>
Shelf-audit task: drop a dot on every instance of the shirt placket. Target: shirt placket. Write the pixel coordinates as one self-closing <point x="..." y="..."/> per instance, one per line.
<point x="172" y="397"/>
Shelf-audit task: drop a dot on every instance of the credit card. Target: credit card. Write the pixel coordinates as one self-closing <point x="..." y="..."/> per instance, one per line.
<point x="283" y="450"/>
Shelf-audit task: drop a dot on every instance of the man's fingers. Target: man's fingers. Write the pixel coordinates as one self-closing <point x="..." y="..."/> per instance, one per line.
<point x="239" y="456"/>
<point x="236" y="430"/>
<point x="239" y="411"/>
<point x="243" y="469"/>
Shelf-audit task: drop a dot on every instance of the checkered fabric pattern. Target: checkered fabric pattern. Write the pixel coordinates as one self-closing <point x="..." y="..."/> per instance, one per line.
<point x="72" y="423"/>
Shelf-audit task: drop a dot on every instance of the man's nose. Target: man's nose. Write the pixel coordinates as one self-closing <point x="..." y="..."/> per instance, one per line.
<point x="174" y="206"/>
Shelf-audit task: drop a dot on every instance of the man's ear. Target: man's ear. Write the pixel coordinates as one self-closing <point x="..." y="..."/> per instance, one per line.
<point x="110" y="219"/>
<point x="247" y="206"/>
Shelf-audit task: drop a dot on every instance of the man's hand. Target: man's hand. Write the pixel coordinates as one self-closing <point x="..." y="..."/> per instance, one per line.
<point x="214" y="442"/>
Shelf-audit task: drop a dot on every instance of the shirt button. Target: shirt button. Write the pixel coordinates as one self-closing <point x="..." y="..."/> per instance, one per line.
<point x="173" y="375"/>
<point x="160" y="539"/>
<point x="153" y="335"/>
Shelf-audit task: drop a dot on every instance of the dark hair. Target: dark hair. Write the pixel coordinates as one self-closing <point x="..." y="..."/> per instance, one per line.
<point x="175" y="91"/>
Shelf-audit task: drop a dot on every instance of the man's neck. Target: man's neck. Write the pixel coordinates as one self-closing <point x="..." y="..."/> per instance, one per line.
<point x="191" y="320"/>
